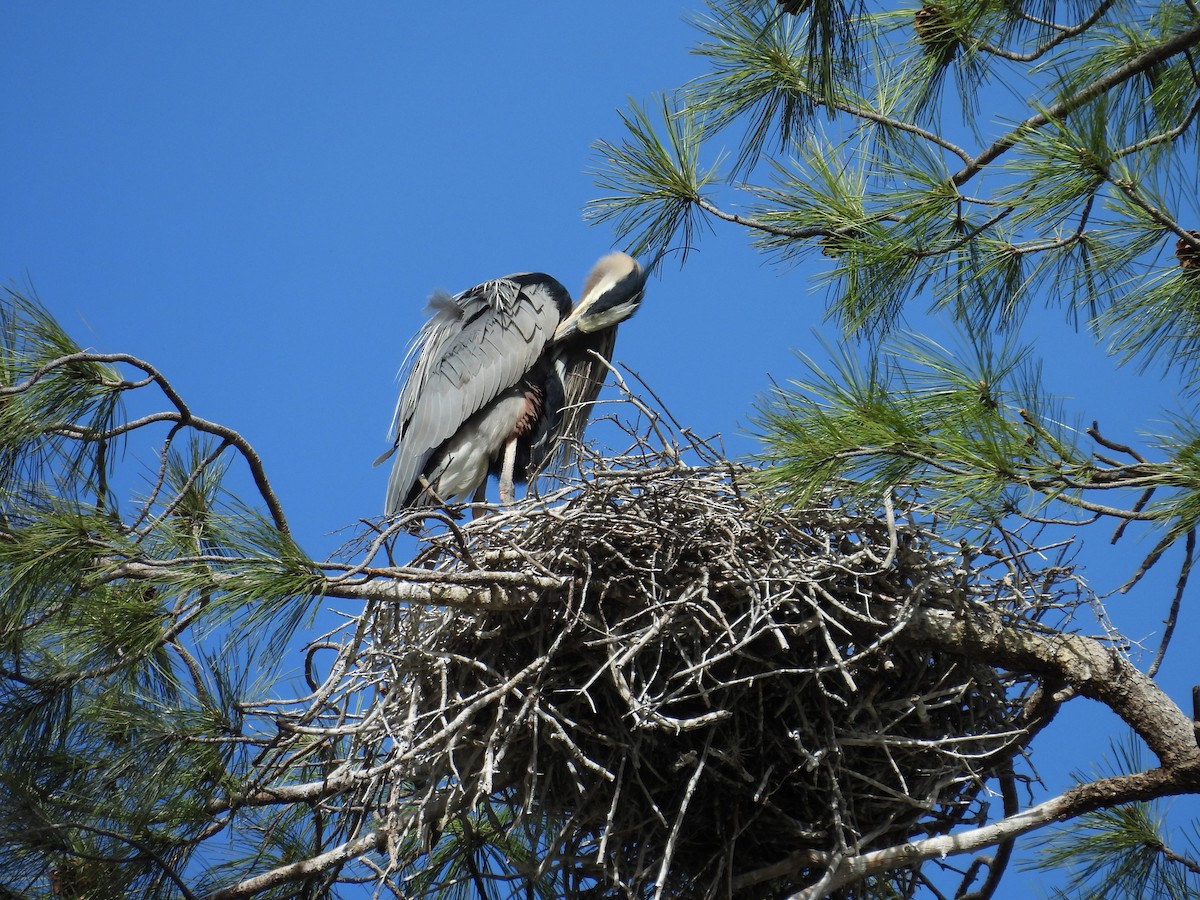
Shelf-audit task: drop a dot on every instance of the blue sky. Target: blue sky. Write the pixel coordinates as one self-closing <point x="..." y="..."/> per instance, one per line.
<point x="259" y="197"/>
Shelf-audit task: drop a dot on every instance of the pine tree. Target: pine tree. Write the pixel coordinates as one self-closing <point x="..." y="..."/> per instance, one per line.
<point x="678" y="676"/>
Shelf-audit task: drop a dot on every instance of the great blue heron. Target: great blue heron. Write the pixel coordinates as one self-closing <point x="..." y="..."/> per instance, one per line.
<point x="499" y="377"/>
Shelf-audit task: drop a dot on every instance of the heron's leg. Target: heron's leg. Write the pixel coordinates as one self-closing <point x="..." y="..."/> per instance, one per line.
<point x="507" y="495"/>
<point x="479" y="498"/>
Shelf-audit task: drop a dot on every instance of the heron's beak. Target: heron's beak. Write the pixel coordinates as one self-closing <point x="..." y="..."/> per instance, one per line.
<point x="592" y="318"/>
<point x="613" y="293"/>
<point x="570" y="325"/>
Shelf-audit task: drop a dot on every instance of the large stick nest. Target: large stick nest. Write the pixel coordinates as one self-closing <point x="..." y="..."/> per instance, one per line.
<point x="718" y="687"/>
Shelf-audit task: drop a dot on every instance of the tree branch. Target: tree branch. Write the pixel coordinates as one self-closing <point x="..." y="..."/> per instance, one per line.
<point x="372" y="840"/>
<point x="461" y="590"/>
<point x="1042" y="49"/>
<point x="182" y="416"/>
<point x="1063" y="108"/>
<point x="1160" y="782"/>
<point x="1090" y="667"/>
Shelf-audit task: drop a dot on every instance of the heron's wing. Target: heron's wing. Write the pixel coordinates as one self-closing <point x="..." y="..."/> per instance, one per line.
<point x="583" y="377"/>
<point x="476" y="345"/>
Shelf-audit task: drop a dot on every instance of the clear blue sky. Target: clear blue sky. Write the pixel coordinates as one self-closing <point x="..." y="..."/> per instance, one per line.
<point x="259" y="197"/>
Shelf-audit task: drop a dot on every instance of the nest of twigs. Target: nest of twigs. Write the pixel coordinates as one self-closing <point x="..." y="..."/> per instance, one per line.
<point x="716" y="696"/>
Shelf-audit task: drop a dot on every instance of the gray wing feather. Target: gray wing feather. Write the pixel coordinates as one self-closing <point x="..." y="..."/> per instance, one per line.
<point x="583" y="378"/>
<point x="477" y="344"/>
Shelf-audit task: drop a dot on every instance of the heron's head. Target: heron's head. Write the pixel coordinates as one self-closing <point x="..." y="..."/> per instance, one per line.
<point x="611" y="295"/>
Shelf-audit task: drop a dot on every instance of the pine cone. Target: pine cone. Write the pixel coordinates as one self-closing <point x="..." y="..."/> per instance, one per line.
<point x="935" y="31"/>
<point x="1187" y="253"/>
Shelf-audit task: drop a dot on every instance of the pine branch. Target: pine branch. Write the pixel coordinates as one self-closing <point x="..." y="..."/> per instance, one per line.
<point x="182" y="415"/>
<point x="1144" y="61"/>
<point x="759" y="225"/>
<point x="1091" y="668"/>
<point x="467" y="590"/>
<point x="304" y="869"/>
<point x="1064" y="33"/>
<point x="1075" y="802"/>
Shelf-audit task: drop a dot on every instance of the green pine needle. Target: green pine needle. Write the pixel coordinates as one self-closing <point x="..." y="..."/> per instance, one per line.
<point x="653" y="179"/>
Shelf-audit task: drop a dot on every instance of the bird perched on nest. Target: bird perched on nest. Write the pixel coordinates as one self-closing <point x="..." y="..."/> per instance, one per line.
<point x="501" y="379"/>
